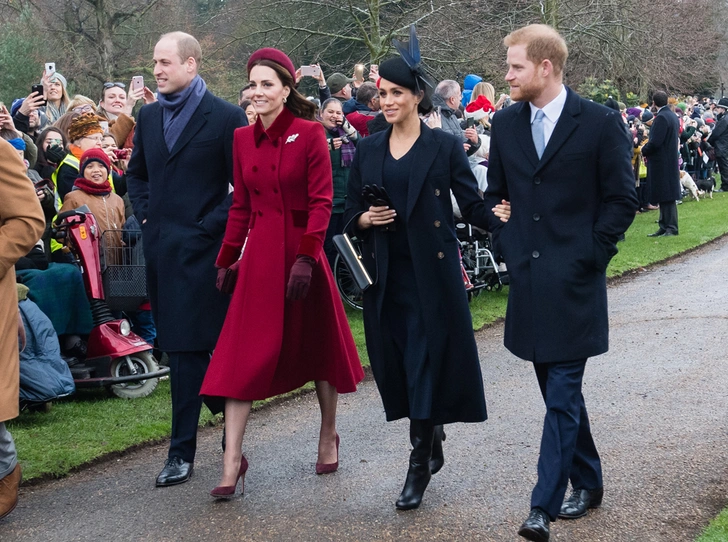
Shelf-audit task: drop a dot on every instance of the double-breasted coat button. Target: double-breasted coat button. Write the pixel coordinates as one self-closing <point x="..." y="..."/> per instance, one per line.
<point x="255" y="168"/>
<point x="260" y="213"/>
<point x="536" y="217"/>
<point x="437" y="191"/>
<point x="256" y="190"/>
<point x="537" y="180"/>
<point x="275" y="190"/>
<point x="272" y="168"/>
<point x="440" y="255"/>
<point x="535" y="254"/>
<point x="437" y="223"/>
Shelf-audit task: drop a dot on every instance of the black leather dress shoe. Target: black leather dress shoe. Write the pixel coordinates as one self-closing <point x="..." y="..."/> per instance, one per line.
<point x="176" y="471"/>
<point x="669" y="234"/>
<point x="580" y="501"/>
<point x="536" y="526"/>
<point x="658" y="233"/>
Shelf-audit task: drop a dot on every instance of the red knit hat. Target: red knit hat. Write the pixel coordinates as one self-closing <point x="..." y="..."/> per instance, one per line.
<point x="94" y="155"/>
<point x="274" y="55"/>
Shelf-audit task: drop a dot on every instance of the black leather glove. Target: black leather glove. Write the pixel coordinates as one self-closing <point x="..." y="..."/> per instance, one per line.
<point x="376" y="196"/>
<point x="55" y="154"/>
<point x="300" y="278"/>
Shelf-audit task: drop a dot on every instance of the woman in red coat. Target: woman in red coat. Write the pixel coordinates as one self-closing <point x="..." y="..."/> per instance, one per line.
<point x="286" y="324"/>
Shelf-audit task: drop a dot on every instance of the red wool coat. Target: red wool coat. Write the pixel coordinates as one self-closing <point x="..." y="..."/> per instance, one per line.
<point x="281" y="205"/>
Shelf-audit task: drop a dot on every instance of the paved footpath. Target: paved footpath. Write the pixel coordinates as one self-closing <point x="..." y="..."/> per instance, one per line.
<point x="657" y="403"/>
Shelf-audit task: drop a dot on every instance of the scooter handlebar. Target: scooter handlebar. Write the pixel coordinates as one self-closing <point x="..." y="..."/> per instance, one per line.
<point x="72" y="212"/>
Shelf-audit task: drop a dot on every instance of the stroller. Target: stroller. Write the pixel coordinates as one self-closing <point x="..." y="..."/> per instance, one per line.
<point x="117" y="358"/>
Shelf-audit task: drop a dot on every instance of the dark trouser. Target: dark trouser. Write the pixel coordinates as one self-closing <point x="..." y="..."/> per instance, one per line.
<point x="668" y="216"/>
<point x="336" y="227"/>
<point x="567" y="448"/>
<point x="722" y="161"/>
<point x="186" y="372"/>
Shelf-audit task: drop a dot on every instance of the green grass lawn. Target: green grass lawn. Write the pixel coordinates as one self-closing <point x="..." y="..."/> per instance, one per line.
<point x="91" y="425"/>
<point x="717" y="531"/>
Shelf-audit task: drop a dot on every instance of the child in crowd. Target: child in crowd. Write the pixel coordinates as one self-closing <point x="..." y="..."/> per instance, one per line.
<point x="93" y="189"/>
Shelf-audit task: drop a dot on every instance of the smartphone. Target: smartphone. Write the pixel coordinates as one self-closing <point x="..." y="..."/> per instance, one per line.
<point x="313" y="71"/>
<point x="137" y="82"/>
<point x="50" y="68"/>
<point x="470" y="122"/>
<point x="39" y="90"/>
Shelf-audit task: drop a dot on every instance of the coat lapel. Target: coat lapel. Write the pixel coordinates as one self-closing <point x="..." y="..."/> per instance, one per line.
<point x="198" y="120"/>
<point x="426" y="152"/>
<point x="522" y="131"/>
<point x="567" y="123"/>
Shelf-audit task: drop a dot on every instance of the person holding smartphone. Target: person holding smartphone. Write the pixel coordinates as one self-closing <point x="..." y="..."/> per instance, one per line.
<point x="116" y="106"/>
<point x="342" y="139"/>
<point x="54" y="85"/>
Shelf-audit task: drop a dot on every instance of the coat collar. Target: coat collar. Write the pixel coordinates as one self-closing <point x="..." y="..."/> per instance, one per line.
<point x="567" y="123"/>
<point x="283" y="121"/>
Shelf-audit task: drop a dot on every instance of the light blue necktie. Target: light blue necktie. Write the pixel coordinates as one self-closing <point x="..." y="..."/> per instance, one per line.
<point x="537" y="133"/>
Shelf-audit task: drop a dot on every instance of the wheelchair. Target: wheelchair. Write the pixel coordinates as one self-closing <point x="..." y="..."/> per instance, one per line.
<point x="478" y="261"/>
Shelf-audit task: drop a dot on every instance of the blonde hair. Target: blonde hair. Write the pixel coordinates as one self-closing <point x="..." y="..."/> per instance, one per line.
<point x="78" y="100"/>
<point x="483" y="89"/>
<point x="542" y="42"/>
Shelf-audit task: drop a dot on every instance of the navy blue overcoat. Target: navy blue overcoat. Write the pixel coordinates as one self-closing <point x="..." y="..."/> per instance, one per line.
<point x="184" y="197"/>
<point x="568" y="210"/>
<point x="440" y="166"/>
<point x="662" y="153"/>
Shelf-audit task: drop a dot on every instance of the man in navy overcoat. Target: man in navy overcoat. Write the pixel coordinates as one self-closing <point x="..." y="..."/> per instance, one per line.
<point x="179" y="177"/>
<point x="564" y="165"/>
<point x="663" y="171"/>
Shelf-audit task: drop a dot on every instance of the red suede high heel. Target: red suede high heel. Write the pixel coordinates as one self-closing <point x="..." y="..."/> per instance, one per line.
<point x="328" y="468"/>
<point x="228" y="492"/>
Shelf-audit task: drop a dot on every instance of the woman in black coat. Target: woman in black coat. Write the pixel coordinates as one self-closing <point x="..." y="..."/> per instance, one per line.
<point x="416" y="316"/>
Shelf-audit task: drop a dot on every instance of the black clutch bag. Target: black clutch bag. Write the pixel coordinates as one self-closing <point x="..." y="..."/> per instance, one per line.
<point x="352" y="258"/>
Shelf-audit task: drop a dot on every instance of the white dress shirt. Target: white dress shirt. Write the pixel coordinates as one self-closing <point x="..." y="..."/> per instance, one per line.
<point x="552" y="112"/>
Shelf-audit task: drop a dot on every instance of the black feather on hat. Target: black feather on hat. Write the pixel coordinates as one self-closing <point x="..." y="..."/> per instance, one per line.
<point x="408" y="71"/>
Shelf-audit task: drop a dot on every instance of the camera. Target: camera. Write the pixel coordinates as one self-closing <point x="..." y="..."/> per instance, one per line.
<point x="345" y="139"/>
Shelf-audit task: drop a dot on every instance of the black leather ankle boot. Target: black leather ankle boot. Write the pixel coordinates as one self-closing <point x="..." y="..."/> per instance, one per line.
<point x="419" y="474"/>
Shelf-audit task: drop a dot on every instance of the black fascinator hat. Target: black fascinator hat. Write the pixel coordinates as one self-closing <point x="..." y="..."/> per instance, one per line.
<point x="408" y="71"/>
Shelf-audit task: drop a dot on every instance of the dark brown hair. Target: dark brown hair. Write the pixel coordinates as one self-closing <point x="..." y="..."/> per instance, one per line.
<point x="296" y="103"/>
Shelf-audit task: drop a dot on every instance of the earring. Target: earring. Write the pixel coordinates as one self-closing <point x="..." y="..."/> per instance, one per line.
<point x="285" y="99"/>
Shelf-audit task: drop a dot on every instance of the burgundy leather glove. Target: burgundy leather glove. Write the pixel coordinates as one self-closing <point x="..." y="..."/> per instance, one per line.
<point x="300" y="278"/>
<point x="227" y="277"/>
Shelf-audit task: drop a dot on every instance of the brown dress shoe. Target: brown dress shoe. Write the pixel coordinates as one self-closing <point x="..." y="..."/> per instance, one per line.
<point x="9" y="491"/>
